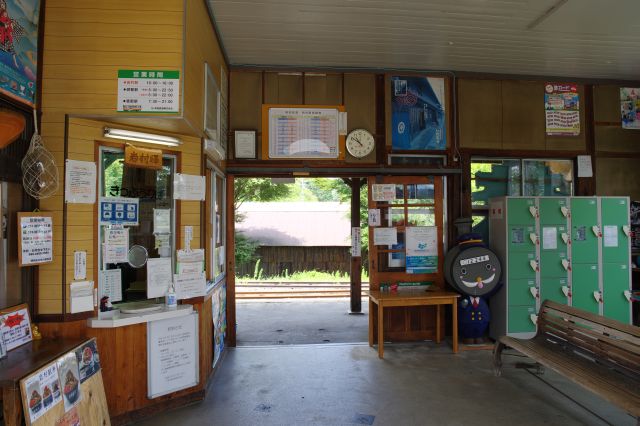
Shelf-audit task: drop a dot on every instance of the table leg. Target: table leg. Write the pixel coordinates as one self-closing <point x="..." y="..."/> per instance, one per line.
<point x="11" y="406"/>
<point x="380" y="330"/>
<point x="454" y="332"/>
<point x="437" y="323"/>
<point x="371" y="312"/>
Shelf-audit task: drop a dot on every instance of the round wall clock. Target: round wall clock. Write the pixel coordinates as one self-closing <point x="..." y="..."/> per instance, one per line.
<point x="360" y="143"/>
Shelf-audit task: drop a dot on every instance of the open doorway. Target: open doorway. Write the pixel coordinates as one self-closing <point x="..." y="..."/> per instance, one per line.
<point x="293" y="261"/>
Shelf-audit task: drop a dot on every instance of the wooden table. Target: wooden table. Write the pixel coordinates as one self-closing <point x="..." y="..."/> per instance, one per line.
<point x="411" y="298"/>
<point x="19" y="363"/>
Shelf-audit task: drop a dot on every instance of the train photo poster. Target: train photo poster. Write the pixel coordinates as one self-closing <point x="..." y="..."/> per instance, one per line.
<point x="418" y="114"/>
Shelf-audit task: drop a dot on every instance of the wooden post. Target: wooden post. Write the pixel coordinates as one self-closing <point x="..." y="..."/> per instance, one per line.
<point x="231" y="264"/>
<point x="356" y="261"/>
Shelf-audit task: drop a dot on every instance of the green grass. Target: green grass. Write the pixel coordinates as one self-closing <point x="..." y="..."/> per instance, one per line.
<point x="304" y="276"/>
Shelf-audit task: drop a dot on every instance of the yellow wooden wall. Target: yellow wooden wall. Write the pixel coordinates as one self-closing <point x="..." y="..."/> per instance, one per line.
<point x="86" y="42"/>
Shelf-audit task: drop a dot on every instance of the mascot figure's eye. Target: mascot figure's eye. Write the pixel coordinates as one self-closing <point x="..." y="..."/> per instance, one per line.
<point x="463" y="271"/>
<point x="488" y="266"/>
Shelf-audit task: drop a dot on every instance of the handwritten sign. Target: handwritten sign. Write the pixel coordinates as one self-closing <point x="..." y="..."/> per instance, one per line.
<point x="35" y="238"/>
<point x="15" y="326"/>
<point x="145" y="158"/>
<point x="172" y="355"/>
<point x="80" y="182"/>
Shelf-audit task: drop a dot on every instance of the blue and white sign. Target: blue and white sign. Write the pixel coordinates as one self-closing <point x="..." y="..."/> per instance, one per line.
<point x="422" y="249"/>
<point x="119" y="211"/>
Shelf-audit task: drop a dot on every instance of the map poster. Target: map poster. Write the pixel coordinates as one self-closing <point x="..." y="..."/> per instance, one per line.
<point x="418" y="118"/>
<point x="630" y="107"/>
<point x="562" y="109"/>
<point x="19" y="49"/>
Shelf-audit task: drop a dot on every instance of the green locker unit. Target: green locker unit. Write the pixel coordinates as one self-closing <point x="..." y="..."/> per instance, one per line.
<point x="514" y="236"/>
<point x="572" y="250"/>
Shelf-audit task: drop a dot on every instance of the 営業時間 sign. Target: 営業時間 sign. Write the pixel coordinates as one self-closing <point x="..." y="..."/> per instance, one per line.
<point x="35" y="238"/>
<point x="148" y="91"/>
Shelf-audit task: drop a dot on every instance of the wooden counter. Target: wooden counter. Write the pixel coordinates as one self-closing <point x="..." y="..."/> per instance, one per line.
<point x="405" y="298"/>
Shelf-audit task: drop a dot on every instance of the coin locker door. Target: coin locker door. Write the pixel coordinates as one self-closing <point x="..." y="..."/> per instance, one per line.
<point x="615" y="284"/>
<point x="584" y="230"/>
<point x="585" y="288"/>
<point x="615" y="228"/>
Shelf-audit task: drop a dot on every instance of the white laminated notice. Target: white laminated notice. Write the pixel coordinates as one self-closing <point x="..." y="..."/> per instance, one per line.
<point x="385" y="236"/>
<point x="549" y="238"/>
<point x="610" y="236"/>
<point x="188" y="187"/>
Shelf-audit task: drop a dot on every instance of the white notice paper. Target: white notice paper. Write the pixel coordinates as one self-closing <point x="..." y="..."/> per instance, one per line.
<point x="37" y="239"/>
<point x="190" y="261"/>
<point x="385" y="236"/>
<point x="159" y="276"/>
<point x="110" y="284"/>
<point x="189" y="285"/>
<point x="610" y="236"/>
<point x="80" y="182"/>
<point x="355" y="242"/>
<point x="82" y="296"/>
<point x="385" y="192"/>
<point x="374" y="217"/>
<point x="161" y="221"/>
<point x="188" y="187"/>
<point x="549" y="238"/>
<point x="116" y="245"/>
<point x="584" y="166"/>
<point x="79" y="265"/>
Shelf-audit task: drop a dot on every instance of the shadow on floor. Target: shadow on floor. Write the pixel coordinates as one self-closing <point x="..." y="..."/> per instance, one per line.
<point x="296" y="322"/>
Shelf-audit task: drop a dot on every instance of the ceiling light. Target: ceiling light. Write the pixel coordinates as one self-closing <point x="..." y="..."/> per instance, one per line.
<point x="141" y="137"/>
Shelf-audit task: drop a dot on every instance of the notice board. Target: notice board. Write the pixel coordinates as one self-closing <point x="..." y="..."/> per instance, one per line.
<point x="172" y="355"/>
<point x="35" y="238"/>
<point x="303" y="131"/>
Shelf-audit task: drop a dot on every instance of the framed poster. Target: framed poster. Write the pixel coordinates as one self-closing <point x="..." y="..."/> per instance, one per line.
<point x="19" y="49"/>
<point x="245" y="144"/>
<point x="630" y="107"/>
<point x="418" y="113"/>
<point x="302" y="131"/>
<point x="35" y="238"/>
<point x="15" y="326"/>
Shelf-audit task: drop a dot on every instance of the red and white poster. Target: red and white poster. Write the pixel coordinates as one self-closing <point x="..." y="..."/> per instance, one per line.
<point x="562" y="109"/>
<point x="15" y="328"/>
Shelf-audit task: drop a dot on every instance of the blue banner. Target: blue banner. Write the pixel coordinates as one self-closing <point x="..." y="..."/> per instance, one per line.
<point x="19" y="49"/>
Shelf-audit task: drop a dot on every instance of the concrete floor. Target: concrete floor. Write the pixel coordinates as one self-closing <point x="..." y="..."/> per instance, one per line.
<point x="416" y="384"/>
<point x="299" y="321"/>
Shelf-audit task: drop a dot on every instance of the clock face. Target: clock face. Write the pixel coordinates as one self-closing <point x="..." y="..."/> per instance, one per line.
<point x="360" y="143"/>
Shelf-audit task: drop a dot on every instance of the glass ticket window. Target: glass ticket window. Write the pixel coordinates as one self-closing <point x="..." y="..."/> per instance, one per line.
<point x="136" y="217"/>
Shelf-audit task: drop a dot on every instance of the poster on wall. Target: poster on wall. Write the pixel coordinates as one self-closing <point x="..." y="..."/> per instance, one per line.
<point x="219" y="314"/>
<point x="35" y="238"/>
<point x="119" y="211"/>
<point x="69" y="377"/>
<point x="19" y="49"/>
<point x="630" y="107"/>
<point x="418" y="119"/>
<point x="562" y="109"/>
<point x="422" y="249"/>
<point x="148" y="91"/>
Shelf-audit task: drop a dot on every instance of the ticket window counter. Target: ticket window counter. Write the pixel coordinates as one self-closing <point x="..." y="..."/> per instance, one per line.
<point x="147" y="194"/>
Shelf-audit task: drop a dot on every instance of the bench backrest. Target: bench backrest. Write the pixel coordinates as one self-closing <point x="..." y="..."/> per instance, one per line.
<point x="605" y="340"/>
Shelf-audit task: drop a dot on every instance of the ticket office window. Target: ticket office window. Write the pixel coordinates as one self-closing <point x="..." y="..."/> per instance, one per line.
<point x="217" y="223"/>
<point x="154" y="190"/>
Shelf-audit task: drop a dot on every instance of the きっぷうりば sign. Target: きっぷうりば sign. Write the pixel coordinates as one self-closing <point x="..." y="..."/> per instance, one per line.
<point x="148" y="91"/>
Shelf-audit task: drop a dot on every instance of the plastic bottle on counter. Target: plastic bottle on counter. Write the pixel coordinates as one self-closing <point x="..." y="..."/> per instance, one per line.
<point x="171" y="300"/>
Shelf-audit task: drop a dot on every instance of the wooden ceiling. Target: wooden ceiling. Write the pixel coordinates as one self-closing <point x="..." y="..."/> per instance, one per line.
<point x="572" y="38"/>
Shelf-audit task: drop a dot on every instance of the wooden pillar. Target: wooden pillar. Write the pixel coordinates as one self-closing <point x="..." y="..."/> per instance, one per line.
<point x="231" y="264"/>
<point x="355" y="292"/>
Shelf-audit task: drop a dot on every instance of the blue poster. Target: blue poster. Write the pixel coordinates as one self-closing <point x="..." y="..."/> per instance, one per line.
<point x="19" y="48"/>
<point x="418" y="120"/>
<point x="119" y="210"/>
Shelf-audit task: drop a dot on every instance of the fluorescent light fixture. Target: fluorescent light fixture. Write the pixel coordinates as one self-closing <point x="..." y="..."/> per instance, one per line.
<point x="130" y="135"/>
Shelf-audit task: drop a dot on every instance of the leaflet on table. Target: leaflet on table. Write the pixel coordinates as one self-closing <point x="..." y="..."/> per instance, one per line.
<point x="51" y="389"/>
<point x="189" y="285"/>
<point x="385" y="236"/>
<point x="190" y="261"/>
<point x="161" y="221"/>
<point x="422" y="249"/>
<point x="159" y="276"/>
<point x="119" y="211"/>
<point x="69" y="376"/>
<point x="110" y="284"/>
<point x="34" y="397"/>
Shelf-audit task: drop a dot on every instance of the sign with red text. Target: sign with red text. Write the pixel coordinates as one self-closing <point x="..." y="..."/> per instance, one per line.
<point x="562" y="109"/>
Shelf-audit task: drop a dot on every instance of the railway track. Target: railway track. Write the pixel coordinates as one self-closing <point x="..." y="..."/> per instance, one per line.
<point x="246" y="291"/>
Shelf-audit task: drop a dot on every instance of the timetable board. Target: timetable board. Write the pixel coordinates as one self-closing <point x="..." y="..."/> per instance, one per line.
<point x="302" y="131"/>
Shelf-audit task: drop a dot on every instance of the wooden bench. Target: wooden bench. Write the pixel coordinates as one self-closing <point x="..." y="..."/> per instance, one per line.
<point x="598" y="353"/>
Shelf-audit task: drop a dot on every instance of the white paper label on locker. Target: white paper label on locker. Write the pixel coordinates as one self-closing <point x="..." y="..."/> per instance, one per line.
<point x="550" y="238"/>
<point x="610" y="236"/>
